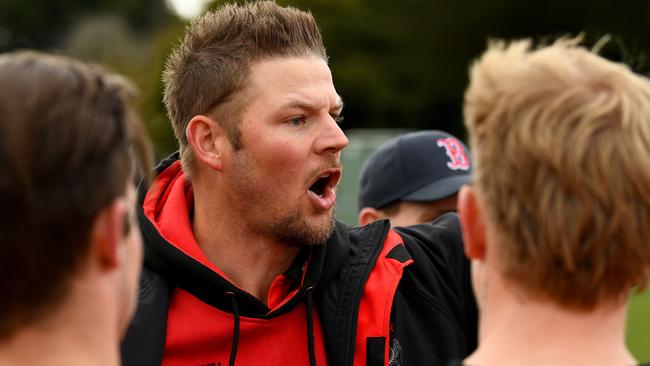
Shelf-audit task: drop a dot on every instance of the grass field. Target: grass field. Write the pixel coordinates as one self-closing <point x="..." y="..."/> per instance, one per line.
<point x="638" y="326"/>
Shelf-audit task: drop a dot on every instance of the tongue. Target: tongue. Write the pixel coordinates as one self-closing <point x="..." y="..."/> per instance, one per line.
<point x="325" y="201"/>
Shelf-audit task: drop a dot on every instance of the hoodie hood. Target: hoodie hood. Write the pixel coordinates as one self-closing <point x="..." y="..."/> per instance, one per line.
<point x="170" y="248"/>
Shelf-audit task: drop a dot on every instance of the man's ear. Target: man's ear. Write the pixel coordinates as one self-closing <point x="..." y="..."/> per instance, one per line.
<point x="206" y="136"/>
<point x="107" y="232"/>
<point x="368" y="215"/>
<point x="472" y="223"/>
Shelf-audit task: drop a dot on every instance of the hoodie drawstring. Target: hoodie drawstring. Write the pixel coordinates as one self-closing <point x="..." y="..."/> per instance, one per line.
<point x="310" y="326"/>
<point x="235" y="335"/>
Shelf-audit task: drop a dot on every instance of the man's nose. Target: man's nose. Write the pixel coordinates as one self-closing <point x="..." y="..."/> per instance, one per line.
<point x="332" y="138"/>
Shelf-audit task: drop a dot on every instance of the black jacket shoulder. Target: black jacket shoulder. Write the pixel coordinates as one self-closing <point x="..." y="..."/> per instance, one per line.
<point x="434" y="310"/>
<point x="145" y="339"/>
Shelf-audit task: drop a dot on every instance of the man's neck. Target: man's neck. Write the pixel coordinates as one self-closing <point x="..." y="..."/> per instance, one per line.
<point x="67" y="337"/>
<point x="513" y="332"/>
<point x="251" y="260"/>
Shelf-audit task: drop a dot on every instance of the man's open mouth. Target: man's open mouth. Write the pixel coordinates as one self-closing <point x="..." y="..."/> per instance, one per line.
<point x="326" y="181"/>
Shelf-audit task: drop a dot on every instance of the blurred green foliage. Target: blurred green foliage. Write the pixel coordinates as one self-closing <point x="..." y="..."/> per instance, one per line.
<point x="638" y="326"/>
<point x="403" y="64"/>
<point x="45" y="24"/>
<point x="131" y="37"/>
<point x="397" y="64"/>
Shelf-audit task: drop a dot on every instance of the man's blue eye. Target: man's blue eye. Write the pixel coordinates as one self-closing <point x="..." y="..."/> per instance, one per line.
<point x="297" y="121"/>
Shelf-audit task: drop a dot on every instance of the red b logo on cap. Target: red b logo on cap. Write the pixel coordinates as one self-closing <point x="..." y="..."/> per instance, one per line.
<point x="455" y="152"/>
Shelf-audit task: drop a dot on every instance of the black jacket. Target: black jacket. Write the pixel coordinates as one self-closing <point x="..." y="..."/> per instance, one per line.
<point x="433" y="311"/>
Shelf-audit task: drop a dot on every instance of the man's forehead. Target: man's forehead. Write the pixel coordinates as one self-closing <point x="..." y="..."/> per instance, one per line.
<point x="282" y="83"/>
<point x="290" y="72"/>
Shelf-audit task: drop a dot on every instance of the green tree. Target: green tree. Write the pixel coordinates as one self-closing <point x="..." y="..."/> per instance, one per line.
<point x="403" y="64"/>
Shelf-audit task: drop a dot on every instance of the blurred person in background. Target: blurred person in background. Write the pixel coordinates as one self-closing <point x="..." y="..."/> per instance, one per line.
<point x="413" y="178"/>
<point x="556" y="221"/>
<point x="71" y="251"/>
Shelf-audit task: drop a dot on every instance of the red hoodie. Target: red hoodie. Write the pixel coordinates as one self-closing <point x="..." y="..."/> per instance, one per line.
<point x="200" y="334"/>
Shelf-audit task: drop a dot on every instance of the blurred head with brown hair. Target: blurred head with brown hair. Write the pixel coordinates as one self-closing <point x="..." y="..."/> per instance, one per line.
<point x="560" y="207"/>
<point x="70" y="147"/>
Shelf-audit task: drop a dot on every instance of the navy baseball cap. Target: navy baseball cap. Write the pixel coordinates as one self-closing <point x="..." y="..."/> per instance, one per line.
<point x="418" y="166"/>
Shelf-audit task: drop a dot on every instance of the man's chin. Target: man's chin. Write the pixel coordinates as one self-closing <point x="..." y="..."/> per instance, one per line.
<point x="297" y="231"/>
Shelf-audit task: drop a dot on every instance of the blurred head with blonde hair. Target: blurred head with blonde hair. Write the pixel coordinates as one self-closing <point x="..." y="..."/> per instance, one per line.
<point x="560" y="207"/>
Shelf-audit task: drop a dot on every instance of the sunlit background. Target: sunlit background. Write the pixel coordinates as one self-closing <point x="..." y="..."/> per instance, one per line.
<point x="399" y="65"/>
<point x="187" y="9"/>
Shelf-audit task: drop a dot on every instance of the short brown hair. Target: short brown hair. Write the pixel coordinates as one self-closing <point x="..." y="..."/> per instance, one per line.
<point x="206" y="71"/>
<point x="67" y="147"/>
<point x="562" y="144"/>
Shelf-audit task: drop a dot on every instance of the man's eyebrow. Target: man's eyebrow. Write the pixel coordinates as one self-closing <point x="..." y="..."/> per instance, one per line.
<point x="299" y="104"/>
<point x="296" y="104"/>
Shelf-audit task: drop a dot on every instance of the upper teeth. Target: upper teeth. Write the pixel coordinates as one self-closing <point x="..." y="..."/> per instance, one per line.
<point x="324" y="176"/>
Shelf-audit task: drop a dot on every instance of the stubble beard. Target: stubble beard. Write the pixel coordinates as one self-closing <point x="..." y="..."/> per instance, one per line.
<point x="296" y="231"/>
<point x="292" y="228"/>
